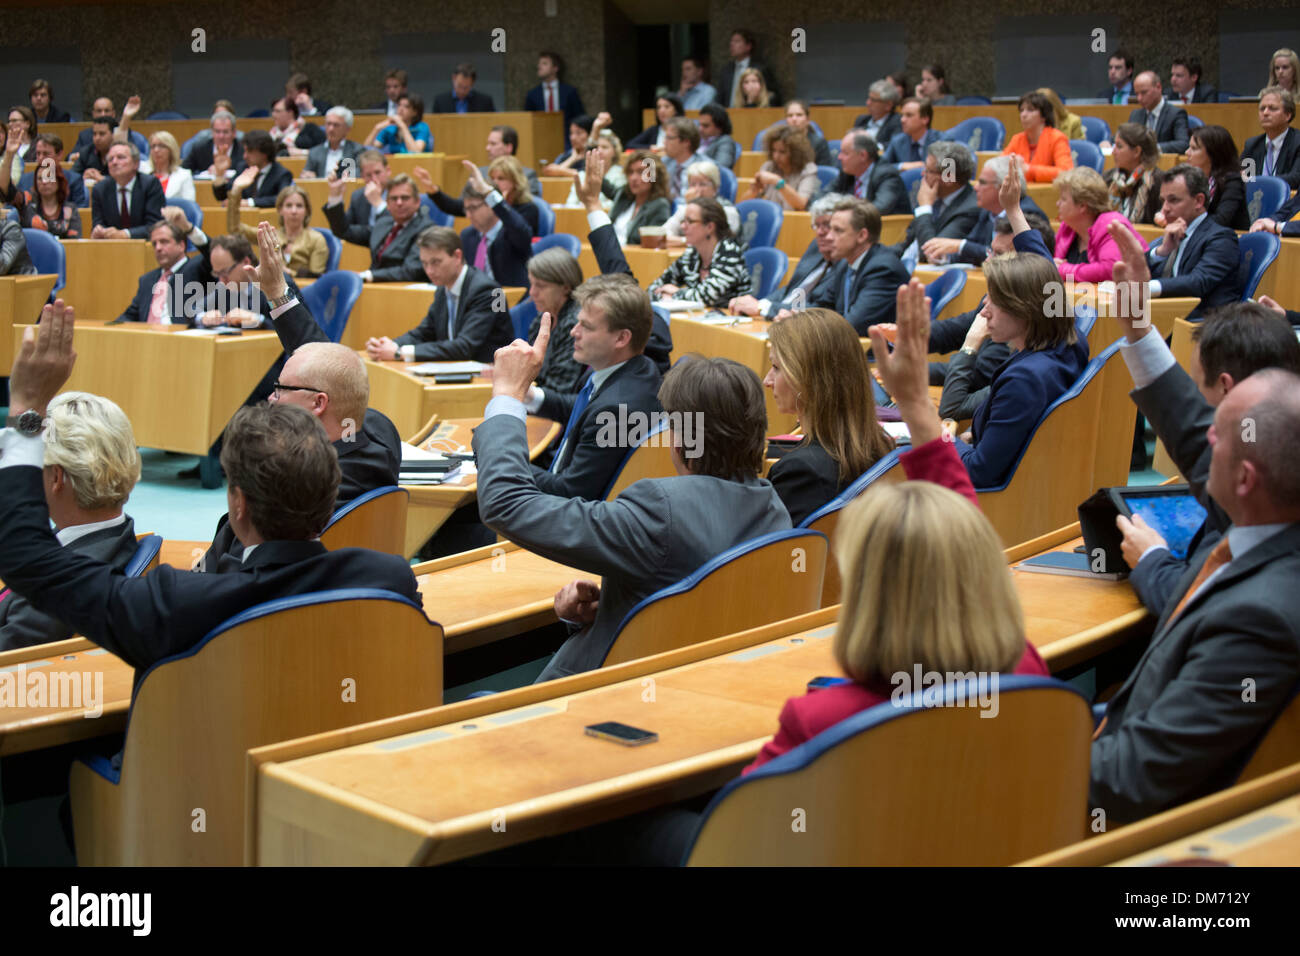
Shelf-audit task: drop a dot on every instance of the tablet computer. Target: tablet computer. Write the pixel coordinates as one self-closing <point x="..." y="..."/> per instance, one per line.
<point x="1171" y="510"/>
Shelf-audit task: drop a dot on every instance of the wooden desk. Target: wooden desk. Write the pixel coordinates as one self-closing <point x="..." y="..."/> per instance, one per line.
<point x="21" y="301"/>
<point x="646" y="264"/>
<point x="430" y="505"/>
<point x="410" y="400"/>
<point x="556" y="189"/>
<point x="103" y="274"/>
<point x="745" y="342"/>
<point x="1267" y="837"/>
<point x="56" y="667"/>
<point x="178" y="389"/>
<point x="367" y="794"/>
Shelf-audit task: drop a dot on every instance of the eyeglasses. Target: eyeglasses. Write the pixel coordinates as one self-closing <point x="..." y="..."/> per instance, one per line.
<point x="691" y="222"/>
<point x="281" y="387"/>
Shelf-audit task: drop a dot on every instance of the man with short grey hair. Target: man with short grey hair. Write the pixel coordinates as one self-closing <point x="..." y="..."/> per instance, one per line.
<point x="881" y="121"/>
<point x="976" y="245"/>
<point x="127" y="203"/>
<point x="813" y="269"/>
<point x="324" y="159"/>
<point x="945" y="202"/>
<point x="224" y="146"/>
<point x="864" y="177"/>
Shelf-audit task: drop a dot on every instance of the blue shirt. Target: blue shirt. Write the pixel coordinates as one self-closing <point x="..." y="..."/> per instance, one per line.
<point x="390" y="139"/>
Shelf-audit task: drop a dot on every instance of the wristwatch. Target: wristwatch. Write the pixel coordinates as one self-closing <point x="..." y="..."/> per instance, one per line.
<point x="968" y="350"/>
<point x="28" y="423"/>
<point x="289" y="296"/>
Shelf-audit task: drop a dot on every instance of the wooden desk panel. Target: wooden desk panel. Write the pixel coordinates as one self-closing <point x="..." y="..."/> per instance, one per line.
<point x="1267" y="837"/>
<point x="975" y="289"/>
<point x="178" y="390"/>
<point x="745" y="342"/>
<point x="21" y="301"/>
<point x="573" y="221"/>
<point x="55" y="668"/>
<point x="556" y="189"/>
<point x="103" y="274"/>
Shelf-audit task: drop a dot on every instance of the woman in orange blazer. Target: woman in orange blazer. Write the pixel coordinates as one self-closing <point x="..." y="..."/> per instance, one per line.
<point x="1044" y="148"/>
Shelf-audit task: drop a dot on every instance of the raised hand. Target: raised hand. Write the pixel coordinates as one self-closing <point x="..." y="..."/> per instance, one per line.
<point x="905" y="371"/>
<point x="1009" y="189"/>
<point x="270" y="265"/>
<point x="44" y="361"/>
<point x="244" y="179"/>
<point x="132" y="107"/>
<point x="335" y="185"/>
<point x="589" y="185"/>
<point x="517" y="364"/>
<point x="220" y="165"/>
<point x="425" y="179"/>
<point x="176" y="216"/>
<point x="475" y="177"/>
<point x="1131" y="275"/>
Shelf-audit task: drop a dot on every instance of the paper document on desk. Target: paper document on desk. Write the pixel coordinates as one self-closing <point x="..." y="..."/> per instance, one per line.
<point x="200" y="331"/>
<point x="415" y="453"/>
<point x="679" y="305"/>
<point x="897" y="431"/>
<point x="447" y="368"/>
<point x="719" y="319"/>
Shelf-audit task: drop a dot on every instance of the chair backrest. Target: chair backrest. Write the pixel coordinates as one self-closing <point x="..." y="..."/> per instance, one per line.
<point x="331" y="298"/>
<point x="436" y="215"/>
<point x="545" y="216"/>
<point x="1086" y="153"/>
<point x="767" y="267"/>
<point x="727" y="184"/>
<point x="911" y="182"/>
<point x="1085" y="317"/>
<point x="834" y="146"/>
<point x="376" y="520"/>
<point x="662" y="312"/>
<point x="1194" y="122"/>
<point x="770" y="578"/>
<point x="521" y="317"/>
<point x="193" y="211"/>
<point x="827" y="175"/>
<point x="145" y="557"/>
<point x="335" y="246"/>
<point x="978" y="133"/>
<point x="827" y="518"/>
<point x="974" y="101"/>
<point x="189" y="143"/>
<point x="1095" y="129"/>
<point x="760" y="222"/>
<point x="1256" y="251"/>
<point x="259" y="112"/>
<point x="884" y="787"/>
<point x="277" y="671"/>
<point x="47" y="255"/>
<point x="1265" y="195"/>
<point x="651" y="457"/>
<point x="168" y="115"/>
<point x="944" y="289"/>
<point x="1054" y="470"/>
<point x="1280" y="745"/>
<point x="564" y="240"/>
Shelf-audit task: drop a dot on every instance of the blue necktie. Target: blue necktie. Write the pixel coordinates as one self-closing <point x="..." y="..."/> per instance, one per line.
<point x="451" y="315"/>
<point x="844" y="295"/>
<point x="579" y="406"/>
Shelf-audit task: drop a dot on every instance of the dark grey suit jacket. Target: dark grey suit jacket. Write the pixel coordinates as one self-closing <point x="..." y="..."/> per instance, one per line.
<point x="317" y="156"/>
<point x="400" y="261"/>
<point x="1171" y="128"/>
<point x="655" y="533"/>
<point x="480" y="330"/>
<point x="21" y="625"/>
<point x="885" y="189"/>
<point x="956" y="219"/>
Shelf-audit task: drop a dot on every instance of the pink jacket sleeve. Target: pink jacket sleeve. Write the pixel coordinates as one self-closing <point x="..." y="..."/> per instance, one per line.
<point x="937" y="461"/>
<point x="789" y="734"/>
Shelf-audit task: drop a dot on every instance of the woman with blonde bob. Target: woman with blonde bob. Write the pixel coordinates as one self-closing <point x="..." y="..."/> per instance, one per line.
<point x="1084" y="247"/>
<point x="165" y="160"/>
<point x="305" y="251"/>
<point x="1284" y="71"/>
<point x="819" y="373"/>
<point x="925" y="580"/>
<point x="91" y="466"/>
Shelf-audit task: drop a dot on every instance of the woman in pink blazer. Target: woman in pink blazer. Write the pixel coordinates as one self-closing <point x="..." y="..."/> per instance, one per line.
<point x="1084" y="249"/>
<point x="945" y="598"/>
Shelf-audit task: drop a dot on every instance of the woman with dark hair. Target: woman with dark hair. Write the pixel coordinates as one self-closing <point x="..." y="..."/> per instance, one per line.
<point x="789" y="177"/>
<point x="1044" y="148"/>
<point x="21" y="134"/>
<point x="934" y="86"/>
<point x="405" y="132"/>
<point x="819" y="373"/>
<point x="1211" y="150"/>
<point x="574" y="159"/>
<point x="1134" y="183"/>
<point x="715" y="136"/>
<point x="45" y="206"/>
<point x="643" y="200"/>
<point x="796" y="116"/>
<point x="652" y="137"/>
<point x="712" y="269"/>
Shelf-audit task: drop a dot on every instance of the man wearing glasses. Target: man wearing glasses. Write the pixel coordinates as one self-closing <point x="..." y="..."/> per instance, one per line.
<point x="976" y="246"/>
<point x="812" y="270"/>
<point x="681" y="140"/>
<point x="327" y="380"/>
<point x="881" y="121"/>
<point x="394" y="256"/>
<point x="863" y="176"/>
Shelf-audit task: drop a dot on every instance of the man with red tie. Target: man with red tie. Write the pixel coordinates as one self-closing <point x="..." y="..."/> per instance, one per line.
<point x="551" y="95"/>
<point x="1185" y="81"/>
<point x="173" y="293"/>
<point x="127" y="203"/>
<point x="394" y="256"/>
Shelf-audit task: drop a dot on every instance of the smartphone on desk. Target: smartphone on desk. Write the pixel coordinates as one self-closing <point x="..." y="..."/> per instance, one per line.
<point x="453" y="378"/>
<point x="624" y="734"/>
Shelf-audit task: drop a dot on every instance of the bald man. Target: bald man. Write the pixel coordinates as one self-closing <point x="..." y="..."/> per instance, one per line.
<point x="1167" y="121"/>
<point x="328" y="380"/>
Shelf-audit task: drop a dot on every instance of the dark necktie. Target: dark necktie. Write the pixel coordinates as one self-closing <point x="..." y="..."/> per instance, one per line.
<point x="579" y="406"/>
<point x="125" y="213"/>
<point x="388" y="241"/>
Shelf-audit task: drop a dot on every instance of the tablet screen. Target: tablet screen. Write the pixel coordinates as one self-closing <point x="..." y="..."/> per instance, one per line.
<point x="1176" y="517"/>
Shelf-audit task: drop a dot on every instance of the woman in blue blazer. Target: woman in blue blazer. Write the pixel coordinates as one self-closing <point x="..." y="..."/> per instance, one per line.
<point x="1046" y="361"/>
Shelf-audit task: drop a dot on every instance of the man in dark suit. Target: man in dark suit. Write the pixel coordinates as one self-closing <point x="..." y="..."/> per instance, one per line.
<point x="129" y="202"/>
<point x="1185" y="81"/>
<point x="864" y="177"/>
<point x="371" y="201"/>
<point x="657" y="531"/>
<point x="1167" y="122"/>
<point x="327" y="380"/>
<point x="863" y="285"/>
<point x="92" y="161"/>
<point x="219" y="155"/>
<point x="881" y="121"/>
<point x="907" y="149"/>
<point x="498" y="239"/>
<point x="945" y="203"/>
<point x="298" y="89"/>
<point x="741" y="47"/>
<point x="1225" y="656"/>
<point x="394" y="89"/>
<point x="1275" y="151"/>
<point x="92" y="464"/>
<point x="1119" y="71"/>
<point x="50" y="146"/>
<point x="393" y="253"/>
<point x="974" y="247"/>
<point x="463" y="98"/>
<point x="180" y="298"/>
<point x="284" y="476"/>
<point x="324" y="159"/>
<point x="468" y="320"/>
<point x="812" y="271"/>
<point x="41" y="96"/>
<point x="551" y="94"/>
<point x="262" y="177"/>
<point x="1233" y="343"/>
<point x="103" y="108"/>
<point x="1197" y="256"/>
